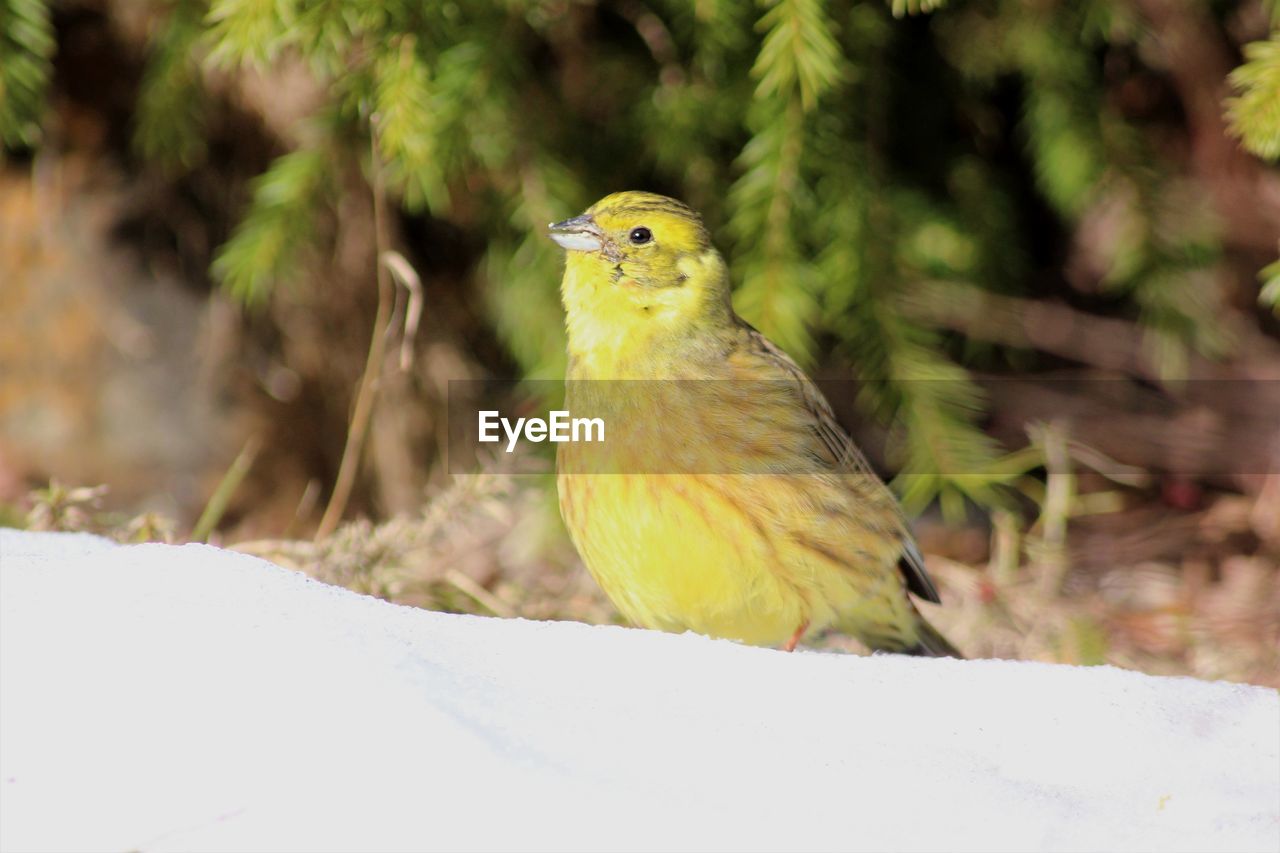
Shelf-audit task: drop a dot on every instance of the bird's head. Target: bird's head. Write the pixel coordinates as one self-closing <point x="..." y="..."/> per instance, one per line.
<point x="640" y="264"/>
<point x="647" y="236"/>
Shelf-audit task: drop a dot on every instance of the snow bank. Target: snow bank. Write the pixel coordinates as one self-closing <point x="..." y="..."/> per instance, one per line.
<point x="189" y="698"/>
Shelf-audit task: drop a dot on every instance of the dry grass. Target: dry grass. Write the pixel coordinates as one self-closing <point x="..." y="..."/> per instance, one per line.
<point x="489" y="544"/>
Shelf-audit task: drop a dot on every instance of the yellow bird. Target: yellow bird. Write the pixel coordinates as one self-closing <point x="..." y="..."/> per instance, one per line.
<point x="726" y="499"/>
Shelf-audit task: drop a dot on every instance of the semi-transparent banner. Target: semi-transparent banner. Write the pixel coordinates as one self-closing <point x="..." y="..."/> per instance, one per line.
<point x="1198" y="429"/>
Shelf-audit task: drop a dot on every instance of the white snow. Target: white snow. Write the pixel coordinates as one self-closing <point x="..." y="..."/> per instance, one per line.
<point x="189" y="698"/>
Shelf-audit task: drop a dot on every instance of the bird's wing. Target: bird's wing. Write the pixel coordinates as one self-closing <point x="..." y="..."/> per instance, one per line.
<point x="846" y="457"/>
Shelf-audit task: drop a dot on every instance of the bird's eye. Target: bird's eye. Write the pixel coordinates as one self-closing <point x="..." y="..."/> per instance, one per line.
<point x="640" y="236"/>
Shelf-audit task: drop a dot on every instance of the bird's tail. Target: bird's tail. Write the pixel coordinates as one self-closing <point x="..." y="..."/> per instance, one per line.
<point x="930" y="643"/>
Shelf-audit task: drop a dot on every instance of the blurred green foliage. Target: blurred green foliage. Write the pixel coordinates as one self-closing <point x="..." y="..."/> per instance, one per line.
<point x="846" y="161"/>
<point x="1255" y="111"/>
<point x="26" y="46"/>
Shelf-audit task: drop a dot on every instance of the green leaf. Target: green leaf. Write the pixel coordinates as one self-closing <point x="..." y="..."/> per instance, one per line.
<point x="406" y="124"/>
<point x="1065" y="146"/>
<point x="799" y="52"/>
<point x="268" y="242"/>
<point x="1270" y="276"/>
<point x="1254" y="113"/>
<point x="250" y="32"/>
<point x="915" y="7"/>
<point x="777" y="282"/>
<point x="172" y="104"/>
<point x="26" y="50"/>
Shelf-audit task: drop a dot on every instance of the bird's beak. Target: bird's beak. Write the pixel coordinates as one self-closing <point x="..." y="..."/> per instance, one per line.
<point x="579" y="233"/>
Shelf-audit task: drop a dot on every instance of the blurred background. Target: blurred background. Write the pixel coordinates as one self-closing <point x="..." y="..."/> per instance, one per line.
<point x="1030" y="246"/>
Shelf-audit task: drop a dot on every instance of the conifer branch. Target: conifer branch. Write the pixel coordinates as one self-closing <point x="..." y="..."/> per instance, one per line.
<point x="26" y="51"/>
<point x="267" y="243"/>
<point x="169" y="127"/>
<point x="1254" y="112"/>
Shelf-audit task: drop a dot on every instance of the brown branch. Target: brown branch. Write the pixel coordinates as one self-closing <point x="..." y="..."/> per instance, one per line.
<point x="368" y="393"/>
<point x="1106" y="343"/>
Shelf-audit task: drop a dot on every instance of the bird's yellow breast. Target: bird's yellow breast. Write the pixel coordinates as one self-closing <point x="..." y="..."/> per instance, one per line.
<point x="704" y="509"/>
<point x="679" y="552"/>
<point x="743" y="557"/>
<point x="667" y="534"/>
